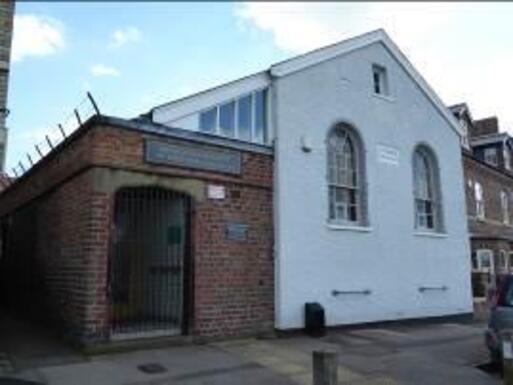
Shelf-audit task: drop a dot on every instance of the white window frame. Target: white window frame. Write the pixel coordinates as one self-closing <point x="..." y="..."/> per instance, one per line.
<point x="357" y="189"/>
<point x="480" y="254"/>
<point x="382" y="74"/>
<point x="464" y="137"/>
<point x="504" y="198"/>
<point x="235" y="100"/>
<point x="507" y="156"/>
<point x="218" y="125"/>
<point x="479" y="200"/>
<point x="433" y="186"/>
<point x="491" y="158"/>
<point x="502" y="260"/>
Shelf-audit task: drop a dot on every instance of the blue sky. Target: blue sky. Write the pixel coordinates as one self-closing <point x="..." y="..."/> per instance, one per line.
<point x="132" y="56"/>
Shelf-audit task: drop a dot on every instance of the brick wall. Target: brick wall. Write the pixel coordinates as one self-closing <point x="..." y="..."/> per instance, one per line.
<point x="493" y="182"/>
<point x="71" y="195"/>
<point x="6" y="28"/>
<point x="488" y="233"/>
<point x="234" y="280"/>
<point x="485" y="126"/>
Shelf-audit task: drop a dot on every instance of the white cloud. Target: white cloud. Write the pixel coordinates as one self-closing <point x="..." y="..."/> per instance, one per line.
<point x="124" y="36"/>
<point x="103" y="70"/>
<point x="462" y="49"/>
<point x="298" y="27"/>
<point x="36" y="35"/>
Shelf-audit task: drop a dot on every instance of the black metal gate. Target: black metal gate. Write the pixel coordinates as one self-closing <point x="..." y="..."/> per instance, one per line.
<point x="148" y="262"/>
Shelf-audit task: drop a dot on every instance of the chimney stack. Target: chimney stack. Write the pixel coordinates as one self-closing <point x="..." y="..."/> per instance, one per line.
<point x="486" y="126"/>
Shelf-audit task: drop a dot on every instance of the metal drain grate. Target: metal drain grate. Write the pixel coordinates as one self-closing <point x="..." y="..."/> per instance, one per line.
<point x="151" y="368"/>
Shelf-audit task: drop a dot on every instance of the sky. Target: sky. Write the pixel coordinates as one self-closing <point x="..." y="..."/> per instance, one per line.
<point x="133" y="56"/>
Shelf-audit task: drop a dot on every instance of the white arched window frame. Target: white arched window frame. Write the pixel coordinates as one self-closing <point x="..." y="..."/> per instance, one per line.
<point x="346" y="187"/>
<point x="426" y="191"/>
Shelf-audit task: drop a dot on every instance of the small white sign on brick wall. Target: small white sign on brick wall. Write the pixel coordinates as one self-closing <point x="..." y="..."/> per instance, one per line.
<point x="216" y="192"/>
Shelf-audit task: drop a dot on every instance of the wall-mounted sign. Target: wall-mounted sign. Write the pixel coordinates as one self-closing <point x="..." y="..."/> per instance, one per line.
<point x="216" y="191"/>
<point x="387" y="154"/>
<point x="191" y="155"/>
<point x="236" y="231"/>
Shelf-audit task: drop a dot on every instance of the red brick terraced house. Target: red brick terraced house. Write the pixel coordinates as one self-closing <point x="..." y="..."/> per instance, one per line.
<point x="488" y="168"/>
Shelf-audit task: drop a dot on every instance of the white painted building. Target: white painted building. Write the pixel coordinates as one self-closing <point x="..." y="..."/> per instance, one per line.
<point x="369" y="202"/>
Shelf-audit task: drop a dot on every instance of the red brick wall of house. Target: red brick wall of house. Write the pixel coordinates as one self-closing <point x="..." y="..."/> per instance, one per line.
<point x="233" y="281"/>
<point x="491" y="232"/>
<point x="493" y="182"/>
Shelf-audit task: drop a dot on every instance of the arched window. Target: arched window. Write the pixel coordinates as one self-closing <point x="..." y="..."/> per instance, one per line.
<point x="345" y="176"/>
<point x="426" y="190"/>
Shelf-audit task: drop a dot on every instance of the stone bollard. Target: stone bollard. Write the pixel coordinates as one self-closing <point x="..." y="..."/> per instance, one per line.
<point x="325" y="367"/>
<point x="507" y="357"/>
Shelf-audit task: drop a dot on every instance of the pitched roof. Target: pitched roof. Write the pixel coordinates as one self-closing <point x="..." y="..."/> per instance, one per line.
<point x="319" y="55"/>
<point x="489" y="138"/>
<point x="378" y="36"/>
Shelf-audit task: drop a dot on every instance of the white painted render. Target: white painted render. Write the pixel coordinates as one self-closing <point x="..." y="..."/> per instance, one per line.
<point x="320" y="55"/>
<point x="388" y="258"/>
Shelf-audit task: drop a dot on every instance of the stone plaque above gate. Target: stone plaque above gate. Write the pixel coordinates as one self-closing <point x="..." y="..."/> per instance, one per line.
<point x="191" y="155"/>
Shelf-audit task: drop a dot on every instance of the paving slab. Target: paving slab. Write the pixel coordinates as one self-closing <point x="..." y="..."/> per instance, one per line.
<point x="396" y="355"/>
<point x="183" y="365"/>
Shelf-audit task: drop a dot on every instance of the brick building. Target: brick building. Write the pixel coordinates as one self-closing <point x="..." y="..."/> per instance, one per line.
<point x="6" y="28"/>
<point x="111" y="237"/>
<point x="368" y="181"/>
<point x="488" y="170"/>
<point x="224" y="212"/>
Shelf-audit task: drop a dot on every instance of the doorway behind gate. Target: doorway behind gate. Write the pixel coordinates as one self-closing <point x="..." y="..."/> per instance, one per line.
<point x="149" y="262"/>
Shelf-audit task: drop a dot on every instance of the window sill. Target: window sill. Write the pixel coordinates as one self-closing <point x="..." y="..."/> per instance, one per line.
<point x="360" y="229"/>
<point x="430" y="234"/>
<point x="384" y="97"/>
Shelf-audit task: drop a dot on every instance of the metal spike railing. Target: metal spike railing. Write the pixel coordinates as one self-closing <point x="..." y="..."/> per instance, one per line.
<point x="86" y="108"/>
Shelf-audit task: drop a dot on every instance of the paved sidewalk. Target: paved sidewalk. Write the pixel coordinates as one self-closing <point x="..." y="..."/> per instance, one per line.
<point x="295" y="362"/>
<point x="191" y="365"/>
<point x="431" y="354"/>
